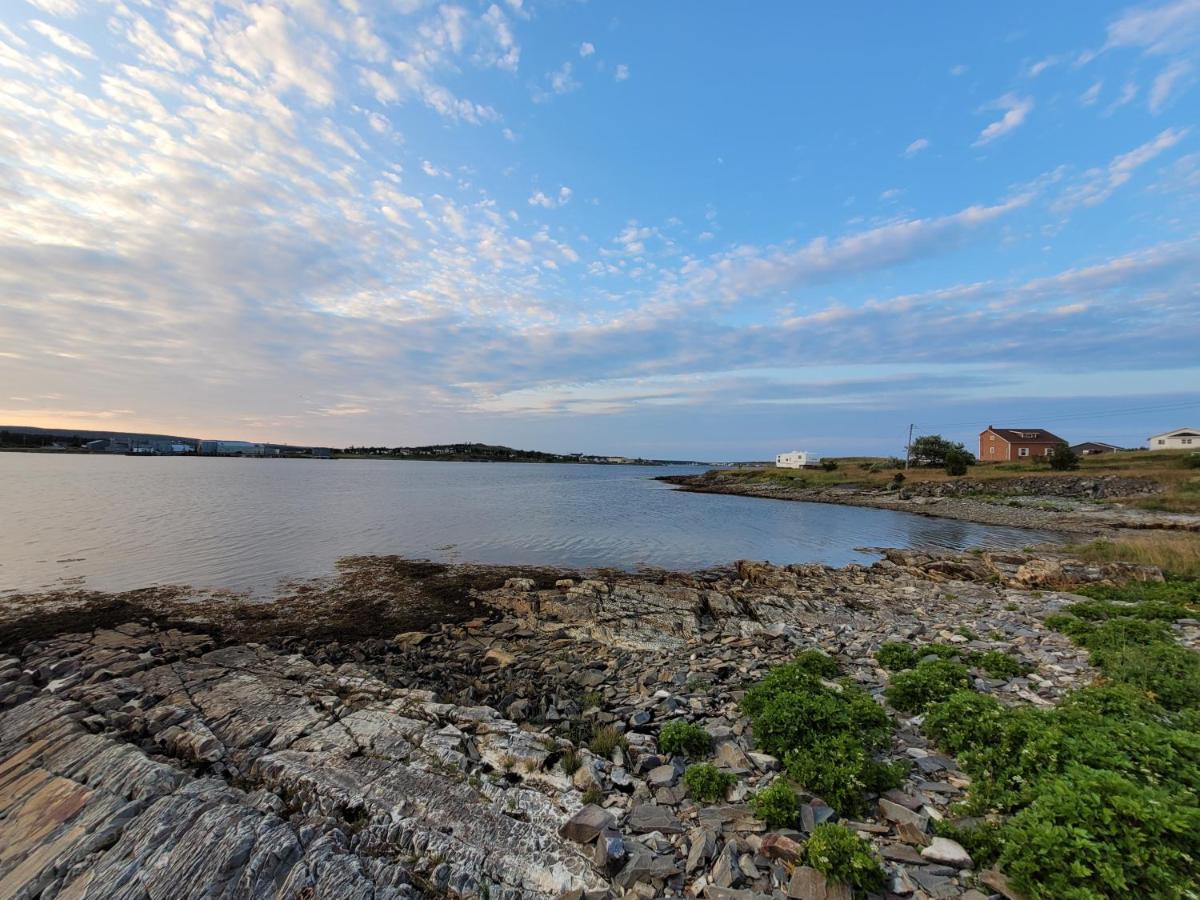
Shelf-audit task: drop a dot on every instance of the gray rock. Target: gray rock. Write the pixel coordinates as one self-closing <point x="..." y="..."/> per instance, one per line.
<point x="587" y="824"/>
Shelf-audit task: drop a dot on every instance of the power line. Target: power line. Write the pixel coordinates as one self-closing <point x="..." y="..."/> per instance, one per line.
<point x="1081" y="416"/>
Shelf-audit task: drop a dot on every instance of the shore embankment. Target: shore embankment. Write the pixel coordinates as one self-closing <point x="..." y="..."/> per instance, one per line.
<point x="412" y="729"/>
<point x="1085" y="505"/>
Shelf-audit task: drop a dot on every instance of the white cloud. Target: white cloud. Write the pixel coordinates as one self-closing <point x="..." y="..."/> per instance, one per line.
<point x="64" y="8"/>
<point x="1099" y="184"/>
<point x="1016" y="109"/>
<point x="586" y="49"/>
<point x="1092" y="94"/>
<point x="546" y="201"/>
<point x="958" y="70"/>
<point x="621" y="73"/>
<point x="916" y="147"/>
<point x="62" y="40"/>
<point x="561" y="81"/>
<point x="1165" y="82"/>
<point x="1162" y="29"/>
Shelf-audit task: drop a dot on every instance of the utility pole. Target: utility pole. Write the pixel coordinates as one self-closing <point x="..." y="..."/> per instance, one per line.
<point x="908" y="448"/>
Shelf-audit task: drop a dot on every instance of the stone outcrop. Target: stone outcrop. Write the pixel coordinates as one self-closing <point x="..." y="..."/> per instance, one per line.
<point x="196" y="751"/>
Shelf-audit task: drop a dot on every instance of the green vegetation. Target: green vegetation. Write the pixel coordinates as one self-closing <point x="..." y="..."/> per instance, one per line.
<point x="605" y="739"/>
<point x="1001" y="665"/>
<point x="1063" y="459"/>
<point x="707" y="783"/>
<point x="935" y="451"/>
<point x="778" y="805"/>
<point x="1098" y="797"/>
<point x="570" y="762"/>
<point x="841" y="855"/>
<point x="930" y="682"/>
<point x="1177" y="553"/>
<point x="680" y="738"/>
<point x="826" y="733"/>
<point x="895" y="657"/>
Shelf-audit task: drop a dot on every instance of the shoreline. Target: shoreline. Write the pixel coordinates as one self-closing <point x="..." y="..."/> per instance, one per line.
<point x="436" y="729"/>
<point x="1030" y="510"/>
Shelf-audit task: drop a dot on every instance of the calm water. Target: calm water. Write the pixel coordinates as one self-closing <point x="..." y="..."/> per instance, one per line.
<point x="114" y="523"/>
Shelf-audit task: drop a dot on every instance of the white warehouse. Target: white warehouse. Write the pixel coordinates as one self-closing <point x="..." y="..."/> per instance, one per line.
<point x="797" y="459"/>
<point x="1179" y="439"/>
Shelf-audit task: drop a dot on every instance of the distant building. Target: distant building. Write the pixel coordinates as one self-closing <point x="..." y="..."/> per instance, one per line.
<point x="322" y="453"/>
<point x="1091" y="448"/>
<point x="232" y="448"/>
<point x="1179" y="439"/>
<point x="1002" y="444"/>
<point x="797" y="459"/>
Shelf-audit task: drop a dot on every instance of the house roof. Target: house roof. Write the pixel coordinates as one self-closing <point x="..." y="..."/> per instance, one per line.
<point x="1036" y="435"/>
<point x="1178" y="432"/>
<point x="1097" y="444"/>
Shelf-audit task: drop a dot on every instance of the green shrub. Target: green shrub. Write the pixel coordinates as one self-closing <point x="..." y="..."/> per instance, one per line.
<point x="895" y="656"/>
<point x="816" y="663"/>
<point x="1062" y="458"/>
<point x="680" y="738"/>
<point x="1170" y="673"/>
<point x="841" y="855"/>
<point x="707" y="783"/>
<point x="930" y="682"/>
<point x="1171" y="590"/>
<point x="793" y="719"/>
<point x="778" y="805"/>
<point x="838" y="769"/>
<point x="825" y="733"/>
<point x="965" y="721"/>
<point x="1095" y="834"/>
<point x="983" y="840"/>
<point x="1001" y="665"/>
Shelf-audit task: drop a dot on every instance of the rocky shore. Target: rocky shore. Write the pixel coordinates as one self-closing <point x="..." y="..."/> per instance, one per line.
<point x="417" y="730"/>
<point x="1048" y="503"/>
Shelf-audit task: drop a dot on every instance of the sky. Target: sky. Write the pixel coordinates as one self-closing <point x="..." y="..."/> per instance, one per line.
<point x="658" y="229"/>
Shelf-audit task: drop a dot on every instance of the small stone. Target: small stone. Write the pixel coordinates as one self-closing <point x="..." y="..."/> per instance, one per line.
<point x="520" y="584"/>
<point x="780" y="846"/>
<point x="809" y="884"/>
<point x="647" y="817"/>
<point x="894" y="812"/>
<point x="587" y="824"/>
<point x="951" y="853"/>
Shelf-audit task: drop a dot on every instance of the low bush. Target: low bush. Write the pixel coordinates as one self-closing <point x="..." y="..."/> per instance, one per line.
<point x="983" y="840"/>
<point x="680" y="738"/>
<point x="826" y="733"/>
<point x="1102" y="791"/>
<point x="930" y="682"/>
<point x="894" y="656"/>
<point x="839" y="769"/>
<point x="1000" y="665"/>
<point x="778" y="805"/>
<point x="1093" y="833"/>
<point x="707" y="783"/>
<point x="841" y="855"/>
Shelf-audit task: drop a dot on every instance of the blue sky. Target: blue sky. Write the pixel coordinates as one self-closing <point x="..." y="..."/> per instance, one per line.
<point x="663" y="229"/>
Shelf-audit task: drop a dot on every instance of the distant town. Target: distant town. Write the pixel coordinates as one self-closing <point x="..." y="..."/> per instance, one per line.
<point x="28" y="438"/>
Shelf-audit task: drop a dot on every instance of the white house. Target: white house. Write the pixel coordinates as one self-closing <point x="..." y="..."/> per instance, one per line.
<point x="1179" y="439"/>
<point x="796" y="459"/>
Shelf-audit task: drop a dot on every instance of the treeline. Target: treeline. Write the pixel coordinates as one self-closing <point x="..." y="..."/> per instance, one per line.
<point x="462" y="453"/>
<point x="21" y="439"/>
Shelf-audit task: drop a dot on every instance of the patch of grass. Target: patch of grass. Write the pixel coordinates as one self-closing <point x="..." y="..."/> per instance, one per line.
<point x="1175" y="552"/>
<point x="605" y="739"/>
<point x="593" y="795"/>
<point x="895" y="656"/>
<point x="707" y="783"/>
<point x="841" y="855"/>
<point x="778" y="804"/>
<point x="930" y="682"/>
<point x="680" y="738"/>
<point x="570" y="762"/>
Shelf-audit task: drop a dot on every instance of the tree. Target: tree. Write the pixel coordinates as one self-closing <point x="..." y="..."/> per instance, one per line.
<point x="957" y="462"/>
<point x="933" y="449"/>
<point x="1062" y="458"/>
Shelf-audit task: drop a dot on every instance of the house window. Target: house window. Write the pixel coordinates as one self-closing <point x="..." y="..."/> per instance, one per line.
<point x="992" y="450"/>
<point x="1022" y="451"/>
<point x="991" y="437"/>
<point x="1046" y="452"/>
<point x="1185" y="440"/>
<point x="1161" y="442"/>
